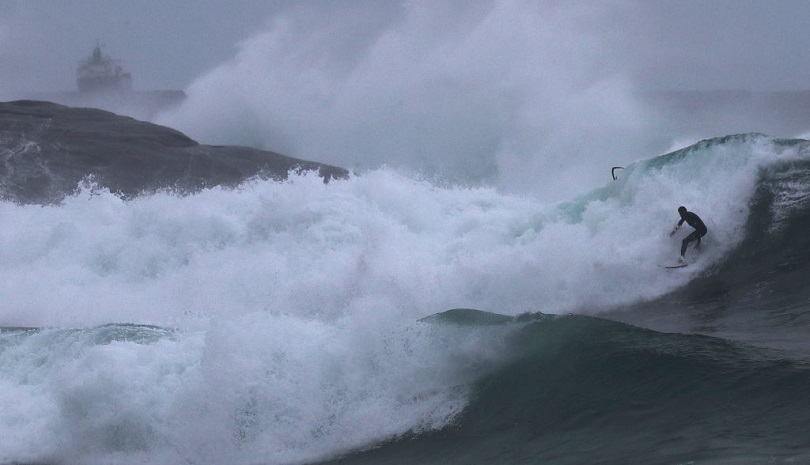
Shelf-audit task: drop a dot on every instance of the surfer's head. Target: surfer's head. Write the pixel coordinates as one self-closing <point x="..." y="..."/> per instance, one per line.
<point x="682" y="210"/>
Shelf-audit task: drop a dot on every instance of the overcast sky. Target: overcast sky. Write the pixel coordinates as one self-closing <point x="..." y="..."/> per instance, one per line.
<point x="167" y="44"/>
<point x="527" y="95"/>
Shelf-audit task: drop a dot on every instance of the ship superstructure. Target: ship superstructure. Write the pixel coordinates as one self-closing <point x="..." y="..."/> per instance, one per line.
<point x="103" y="83"/>
<point x="100" y="73"/>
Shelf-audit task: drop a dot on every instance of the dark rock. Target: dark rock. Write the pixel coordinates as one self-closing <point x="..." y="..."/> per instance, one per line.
<point x="46" y="150"/>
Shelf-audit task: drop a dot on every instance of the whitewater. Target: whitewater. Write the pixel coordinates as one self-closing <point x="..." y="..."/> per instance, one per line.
<point x="281" y="322"/>
<point x="306" y="248"/>
<point x="478" y="289"/>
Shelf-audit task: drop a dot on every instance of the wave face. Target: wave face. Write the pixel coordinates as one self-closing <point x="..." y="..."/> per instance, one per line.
<point x="586" y="390"/>
<point x="297" y="321"/>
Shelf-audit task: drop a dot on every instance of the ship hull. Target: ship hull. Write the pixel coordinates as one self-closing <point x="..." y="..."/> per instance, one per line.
<point x="142" y="105"/>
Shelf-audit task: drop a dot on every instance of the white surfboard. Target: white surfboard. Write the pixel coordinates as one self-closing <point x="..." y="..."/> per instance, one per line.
<point x="672" y="267"/>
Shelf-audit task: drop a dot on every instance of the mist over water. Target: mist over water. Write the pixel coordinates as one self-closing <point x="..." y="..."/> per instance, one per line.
<point x="508" y="94"/>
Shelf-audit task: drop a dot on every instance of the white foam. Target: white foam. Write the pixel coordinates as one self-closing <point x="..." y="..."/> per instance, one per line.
<point x="312" y="250"/>
<point x="296" y="303"/>
<point x="306" y="249"/>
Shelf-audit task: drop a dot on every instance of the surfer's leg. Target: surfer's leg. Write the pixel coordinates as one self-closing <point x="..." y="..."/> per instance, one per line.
<point x="686" y="242"/>
<point x="698" y="238"/>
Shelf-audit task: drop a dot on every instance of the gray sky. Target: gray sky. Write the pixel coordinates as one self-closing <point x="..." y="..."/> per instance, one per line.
<point x="166" y="44"/>
<point x="537" y="96"/>
<point x="737" y="44"/>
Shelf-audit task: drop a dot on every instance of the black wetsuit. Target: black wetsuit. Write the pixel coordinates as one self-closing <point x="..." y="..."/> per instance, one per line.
<point x="700" y="230"/>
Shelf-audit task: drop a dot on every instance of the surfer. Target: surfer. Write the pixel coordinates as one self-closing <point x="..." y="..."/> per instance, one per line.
<point x="694" y="221"/>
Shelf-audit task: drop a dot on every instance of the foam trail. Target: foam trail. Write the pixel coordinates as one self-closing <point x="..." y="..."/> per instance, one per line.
<point x="512" y="94"/>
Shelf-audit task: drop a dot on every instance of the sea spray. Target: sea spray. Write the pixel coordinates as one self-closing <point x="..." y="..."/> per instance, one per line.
<point x="280" y="321"/>
<point x="504" y="94"/>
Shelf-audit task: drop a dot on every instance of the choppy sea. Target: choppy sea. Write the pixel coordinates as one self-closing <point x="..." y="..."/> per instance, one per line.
<point x="387" y="318"/>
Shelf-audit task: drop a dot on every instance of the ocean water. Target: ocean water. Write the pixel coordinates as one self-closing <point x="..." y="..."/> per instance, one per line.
<point x="391" y="319"/>
<point x="477" y="291"/>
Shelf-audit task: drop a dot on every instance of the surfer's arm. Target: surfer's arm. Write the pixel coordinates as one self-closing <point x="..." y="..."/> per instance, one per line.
<point x="677" y="226"/>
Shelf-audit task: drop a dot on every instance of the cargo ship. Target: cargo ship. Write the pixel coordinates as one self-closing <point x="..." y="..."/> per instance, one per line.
<point x="103" y="83"/>
<point x="100" y="73"/>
